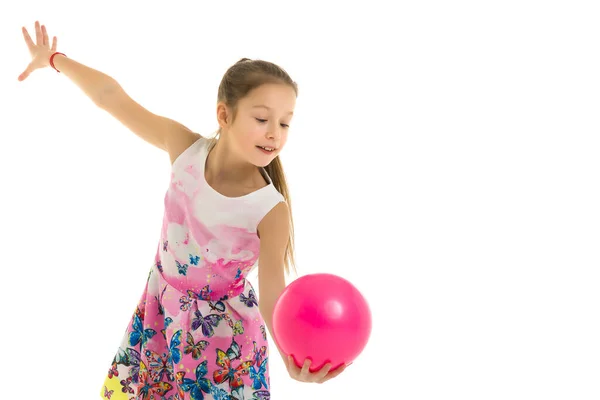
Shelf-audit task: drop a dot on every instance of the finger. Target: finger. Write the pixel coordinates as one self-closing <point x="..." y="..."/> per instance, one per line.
<point x="320" y="376"/>
<point x="292" y="367"/>
<point x="38" y="34"/>
<point x="44" y="35"/>
<point x="305" y="373"/>
<point x="28" y="40"/>
<point x="54" y="43"/>
<point x="25" y="74"/>
<point x="335" y="373"/>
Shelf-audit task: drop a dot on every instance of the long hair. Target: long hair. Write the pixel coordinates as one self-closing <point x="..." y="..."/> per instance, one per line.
<point x="239" y="80"/>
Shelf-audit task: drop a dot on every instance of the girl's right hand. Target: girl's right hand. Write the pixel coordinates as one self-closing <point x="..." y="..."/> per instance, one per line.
<point x="40" y="51"/>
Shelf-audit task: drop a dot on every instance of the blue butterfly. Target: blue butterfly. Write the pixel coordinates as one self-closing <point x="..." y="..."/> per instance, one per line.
<point x="168" y="321"/>
<point x="249" y="301"/>
<point x="201" y="384"/>
<point x="194" y="260"/>
<point x="259" y="368"/>
<point x="139" y="334"/>
<point x="258" y="375"/>
<point x="218" y="393"/>
<point x="174" y="350"/>
<point x="182" y="268"/>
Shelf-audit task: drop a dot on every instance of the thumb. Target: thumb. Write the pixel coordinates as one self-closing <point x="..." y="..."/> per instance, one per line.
<point x="26" y="73"/>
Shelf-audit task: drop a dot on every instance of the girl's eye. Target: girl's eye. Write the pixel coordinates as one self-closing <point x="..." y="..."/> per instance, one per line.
<point x="262" y="121"/>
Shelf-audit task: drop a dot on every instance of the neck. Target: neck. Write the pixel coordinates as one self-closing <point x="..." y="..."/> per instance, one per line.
<point x="222" y="165"/>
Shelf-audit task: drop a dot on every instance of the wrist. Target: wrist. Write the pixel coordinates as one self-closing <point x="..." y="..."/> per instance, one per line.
<point x="54" y="58"/>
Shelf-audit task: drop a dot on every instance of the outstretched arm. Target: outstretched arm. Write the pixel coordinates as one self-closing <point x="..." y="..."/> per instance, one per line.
<point x="107" y="93"/>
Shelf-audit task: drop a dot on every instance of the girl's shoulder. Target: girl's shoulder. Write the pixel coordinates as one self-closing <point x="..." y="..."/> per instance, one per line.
<point x="182" y="143"/>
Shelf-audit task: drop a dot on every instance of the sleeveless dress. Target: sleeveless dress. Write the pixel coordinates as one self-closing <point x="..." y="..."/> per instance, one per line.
<point x="197" y="332"/>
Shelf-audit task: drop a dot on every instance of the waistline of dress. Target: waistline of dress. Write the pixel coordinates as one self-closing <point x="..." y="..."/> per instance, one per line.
<point x="205" y="293"/>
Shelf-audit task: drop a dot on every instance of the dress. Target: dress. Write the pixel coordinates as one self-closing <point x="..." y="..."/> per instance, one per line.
<point x="196" y="332"/>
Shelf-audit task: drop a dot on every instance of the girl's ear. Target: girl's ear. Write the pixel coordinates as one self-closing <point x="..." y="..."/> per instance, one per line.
<point x="223" y="115"/>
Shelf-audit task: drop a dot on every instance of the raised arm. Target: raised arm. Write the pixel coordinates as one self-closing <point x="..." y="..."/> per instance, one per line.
<point x="106" y="93"/>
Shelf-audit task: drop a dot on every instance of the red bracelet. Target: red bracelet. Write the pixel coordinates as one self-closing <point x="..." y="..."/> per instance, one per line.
<point x="52" y="60"/>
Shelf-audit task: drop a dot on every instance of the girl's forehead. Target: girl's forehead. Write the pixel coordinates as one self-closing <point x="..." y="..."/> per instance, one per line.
<point x="273" y="100"/>
<point x="268" y="91"/>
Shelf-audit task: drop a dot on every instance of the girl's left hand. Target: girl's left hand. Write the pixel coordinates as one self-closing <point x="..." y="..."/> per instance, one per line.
<point x="304" y="375"/>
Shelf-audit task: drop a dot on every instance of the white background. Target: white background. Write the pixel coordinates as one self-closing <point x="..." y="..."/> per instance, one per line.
<point x="444" y="158"/>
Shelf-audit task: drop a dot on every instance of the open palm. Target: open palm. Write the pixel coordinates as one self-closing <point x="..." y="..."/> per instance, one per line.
<point x="40" y="50"/>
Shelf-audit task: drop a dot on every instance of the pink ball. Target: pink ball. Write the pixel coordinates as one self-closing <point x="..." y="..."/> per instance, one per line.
<point x="321" y="317"/>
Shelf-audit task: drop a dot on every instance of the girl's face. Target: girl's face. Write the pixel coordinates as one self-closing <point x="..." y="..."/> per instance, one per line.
<point x="260" y="129"/>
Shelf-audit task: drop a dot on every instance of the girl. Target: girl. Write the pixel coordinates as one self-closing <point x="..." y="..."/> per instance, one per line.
<point x="198" y="331"/>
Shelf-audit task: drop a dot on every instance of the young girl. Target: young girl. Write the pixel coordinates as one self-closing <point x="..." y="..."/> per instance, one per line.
<point x="198" y="331"/>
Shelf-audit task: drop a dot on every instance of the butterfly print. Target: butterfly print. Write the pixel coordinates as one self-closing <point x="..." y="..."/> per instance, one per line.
<point x="149" y="389"/>
<point x="201" y="384"/>
<point x="139" y="334"/>
<point x="126" y="388"/>
<point x="238" y="328"/>
<point x="186" y="303"/>
<point x="182" y="268"/>
<point x="249" y="301"/>
<point x="132" y="360"/>
<point x="179" y="381"/>
<point x="113" y="370"/>
<point x="158" y="366"/>
<point x="203" y="294"/>
<point x="168" y="322"/>
<point x="195" y="349"/>
<point x="161" y="309"/>
<point x="261" y="395"/>
<point x="207" y="323"/>
<point x="219" y="394"/>
<point x="140" y="313"/>
<point x="229" y="373"/>
<point x="108" y="393"/>
<point x="264" y="332"/>
<point x="259" y="368"/>
<point x="218" y="306"/>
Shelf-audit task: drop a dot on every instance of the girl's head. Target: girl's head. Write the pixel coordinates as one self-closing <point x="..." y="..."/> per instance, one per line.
<point x="255" y="105"/>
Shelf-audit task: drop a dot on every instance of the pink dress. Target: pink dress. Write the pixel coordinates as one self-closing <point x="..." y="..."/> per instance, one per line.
<point x="196" y="332"/>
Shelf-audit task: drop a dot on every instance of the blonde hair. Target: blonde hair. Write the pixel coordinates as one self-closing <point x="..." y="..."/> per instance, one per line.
<point x="239" y="80"/>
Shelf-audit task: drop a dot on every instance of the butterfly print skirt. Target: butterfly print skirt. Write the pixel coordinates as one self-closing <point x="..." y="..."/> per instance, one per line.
<point x="181" y="346"/>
